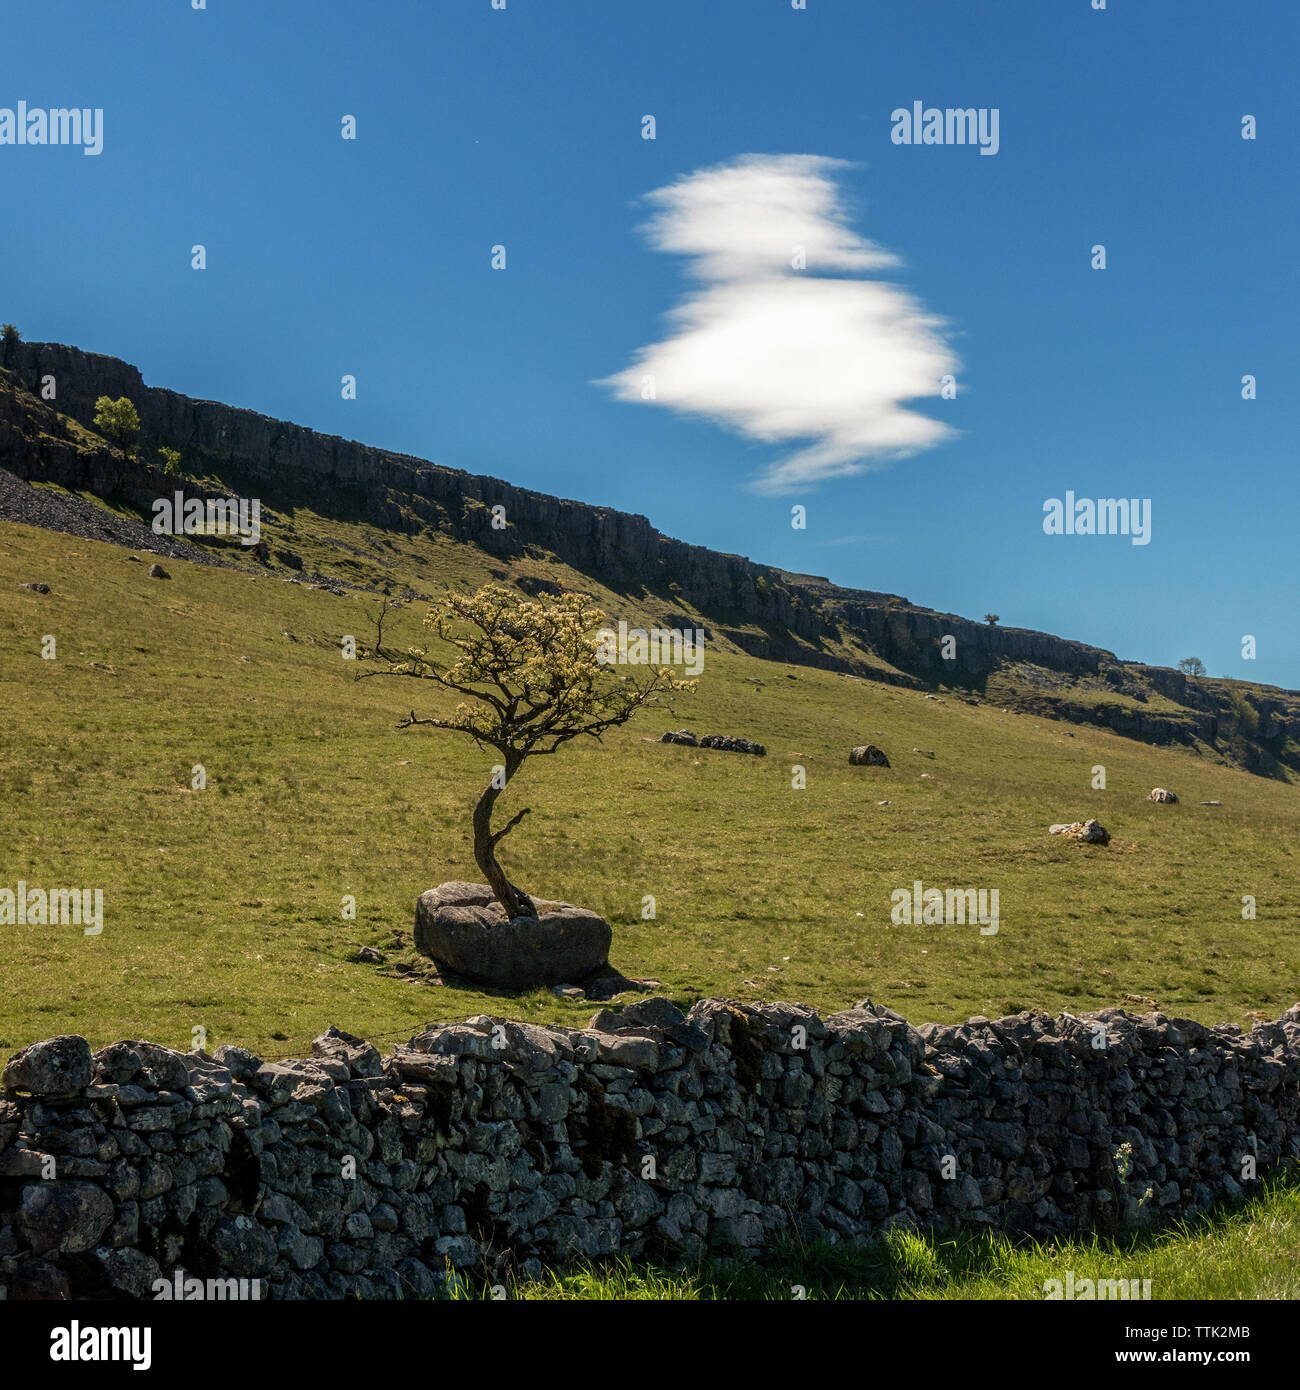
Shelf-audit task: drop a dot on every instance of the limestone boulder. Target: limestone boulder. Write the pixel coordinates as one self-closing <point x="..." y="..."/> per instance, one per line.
<point x="464" y="929"/>
<point x="1088" y="832"/>
<point x="726" y="744"/>
<point x="868" y="755"/>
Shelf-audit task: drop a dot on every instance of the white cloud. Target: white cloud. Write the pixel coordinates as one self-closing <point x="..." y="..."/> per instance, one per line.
<point x="784" y="355"/>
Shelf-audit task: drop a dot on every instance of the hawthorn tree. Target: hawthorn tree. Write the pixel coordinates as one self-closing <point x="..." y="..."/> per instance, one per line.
<point x="532" y="679"/>
<point x="1192" y="666"/>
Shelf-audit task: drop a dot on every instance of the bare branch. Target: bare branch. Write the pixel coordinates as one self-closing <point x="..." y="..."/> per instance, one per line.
<point x="505" y="830"/>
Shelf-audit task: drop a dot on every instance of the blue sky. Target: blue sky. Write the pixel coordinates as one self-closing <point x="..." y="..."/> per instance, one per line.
<point x="523" y="127"/>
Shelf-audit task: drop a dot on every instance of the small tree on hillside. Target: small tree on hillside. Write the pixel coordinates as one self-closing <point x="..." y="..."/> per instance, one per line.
<point x="9" y="337"/>
<point x="993" y="619"/>
<point x="530" y="672"/>
<point x="171" y="462"/>
<point x="1192" y="666"/>
<point x="118" y="421"/>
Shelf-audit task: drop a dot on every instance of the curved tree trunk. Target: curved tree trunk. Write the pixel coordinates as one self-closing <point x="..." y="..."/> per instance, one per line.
<point x="514" y="900"/>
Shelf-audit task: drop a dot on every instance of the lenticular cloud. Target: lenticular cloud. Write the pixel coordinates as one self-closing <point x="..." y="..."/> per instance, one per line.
<point x="807" y="356"/>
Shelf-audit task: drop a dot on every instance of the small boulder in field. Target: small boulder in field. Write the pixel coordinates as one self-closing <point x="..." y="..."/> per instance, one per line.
<point x="1088" y="832"/>
<point x="681" y="736"/>
<point x="157" y="572"/>
<point x="37" y="587"/>
<point x="868" y="755"/>
<point x="726" y="744"/>
<point x="1161" y="794"/>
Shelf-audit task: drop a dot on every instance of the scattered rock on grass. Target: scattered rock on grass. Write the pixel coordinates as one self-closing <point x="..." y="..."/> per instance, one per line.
<point x="1161" y="794"/>
<point x="1088" y="832"/>
<point x="868" y="755"/>
<point x="726" y="744"/>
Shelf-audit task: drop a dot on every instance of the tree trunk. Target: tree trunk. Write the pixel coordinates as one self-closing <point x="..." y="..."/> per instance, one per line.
<point x="514" y="900"/>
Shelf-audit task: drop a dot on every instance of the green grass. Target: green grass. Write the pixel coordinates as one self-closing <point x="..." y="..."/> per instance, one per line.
<point x="1252" y="1252"/>
<point x="223" y="906"/>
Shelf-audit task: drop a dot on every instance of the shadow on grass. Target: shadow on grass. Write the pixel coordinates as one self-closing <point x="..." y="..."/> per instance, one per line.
<point x="902" y="1264"/>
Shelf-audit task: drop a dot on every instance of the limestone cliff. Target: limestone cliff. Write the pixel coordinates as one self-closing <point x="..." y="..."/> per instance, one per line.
<point x="766" y="611"/>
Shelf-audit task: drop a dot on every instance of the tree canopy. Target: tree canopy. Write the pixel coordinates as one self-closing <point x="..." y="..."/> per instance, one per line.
<point x="533" y="681"/>
<point x="117" y="420"/>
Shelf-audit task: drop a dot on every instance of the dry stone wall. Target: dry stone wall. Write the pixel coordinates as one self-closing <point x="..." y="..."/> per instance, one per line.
<point x="490" y="1144"/>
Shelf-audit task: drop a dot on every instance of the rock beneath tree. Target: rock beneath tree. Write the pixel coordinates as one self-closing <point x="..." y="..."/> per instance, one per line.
<point x="1161" y="794"/>
<point x="464" y="929"/>
<point x="868" y="755"/>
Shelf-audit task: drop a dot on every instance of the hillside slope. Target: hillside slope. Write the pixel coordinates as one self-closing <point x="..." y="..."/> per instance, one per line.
<point x="762" y="610"/>
<point x="224" y="906"/>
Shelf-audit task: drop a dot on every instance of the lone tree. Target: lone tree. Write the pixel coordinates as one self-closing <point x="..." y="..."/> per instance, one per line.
<point x="118" y="421"/>
<point x="992" y="619"/>
<point x="1192" y="666"/>
<point x="533" y="679"/>
<point x="9" y="338"/>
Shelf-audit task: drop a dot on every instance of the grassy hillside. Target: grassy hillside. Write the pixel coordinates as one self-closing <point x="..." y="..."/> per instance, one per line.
<point x="222" y="906"/>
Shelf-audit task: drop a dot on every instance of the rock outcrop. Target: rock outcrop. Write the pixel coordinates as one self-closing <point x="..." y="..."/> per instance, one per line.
<point x="723" y="743"/>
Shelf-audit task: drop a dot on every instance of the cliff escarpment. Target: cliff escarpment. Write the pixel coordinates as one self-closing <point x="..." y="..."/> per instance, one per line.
<point x="47" y="406"/>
